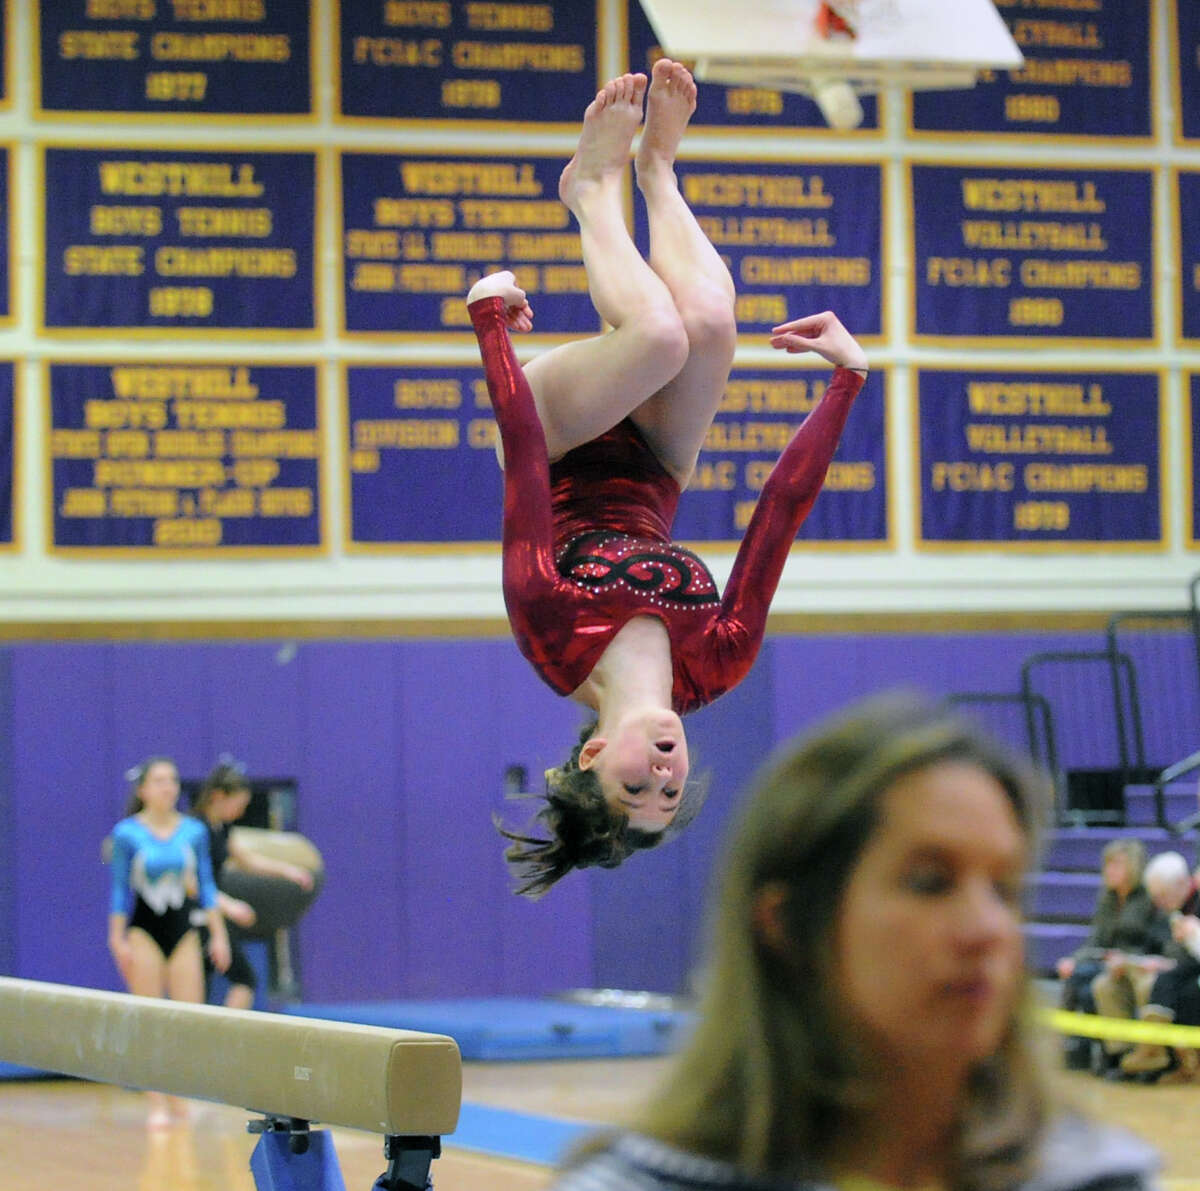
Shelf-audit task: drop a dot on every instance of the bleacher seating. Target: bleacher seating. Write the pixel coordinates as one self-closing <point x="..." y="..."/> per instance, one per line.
<point x="1062" y="893"/>
<point x="1114" y="729"/>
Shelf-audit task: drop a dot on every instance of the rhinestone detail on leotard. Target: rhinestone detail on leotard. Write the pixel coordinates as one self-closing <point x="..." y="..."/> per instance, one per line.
<point x="666" y="575"/>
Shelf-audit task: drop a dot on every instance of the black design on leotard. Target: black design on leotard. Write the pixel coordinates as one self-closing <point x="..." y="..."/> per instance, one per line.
<point x="668" y="572"/>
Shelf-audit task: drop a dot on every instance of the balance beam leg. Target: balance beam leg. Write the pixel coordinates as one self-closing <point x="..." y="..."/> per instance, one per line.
<point x="409" y="1159"/>
<point x="276" y="1168"/>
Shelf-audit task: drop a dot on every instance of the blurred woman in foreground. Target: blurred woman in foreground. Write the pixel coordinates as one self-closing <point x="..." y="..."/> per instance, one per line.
<point x="862" y="1023"/>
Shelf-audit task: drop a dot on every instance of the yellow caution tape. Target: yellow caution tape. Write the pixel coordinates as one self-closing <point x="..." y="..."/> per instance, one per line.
<point x="1090" y="1025"/>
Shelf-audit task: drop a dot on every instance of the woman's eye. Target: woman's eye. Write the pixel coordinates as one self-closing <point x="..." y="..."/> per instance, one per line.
<point x="670" y="793"/>
<point x="927" y="881"/>
<point x="633" y="789"/>
<point x="1009" y="890"/>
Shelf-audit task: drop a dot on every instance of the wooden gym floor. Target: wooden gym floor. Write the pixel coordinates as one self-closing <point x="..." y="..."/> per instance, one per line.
<point x="69" y="1133"/>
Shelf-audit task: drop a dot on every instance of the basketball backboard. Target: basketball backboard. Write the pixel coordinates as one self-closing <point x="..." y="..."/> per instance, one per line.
<point x="831" y="50"/>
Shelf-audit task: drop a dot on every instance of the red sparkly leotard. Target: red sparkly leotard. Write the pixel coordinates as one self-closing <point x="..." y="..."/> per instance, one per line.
<point x="587" y="542"/>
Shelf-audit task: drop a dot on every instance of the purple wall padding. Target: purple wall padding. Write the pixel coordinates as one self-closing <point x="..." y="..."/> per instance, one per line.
<point x="8" y="884"/>
<point x="814" y="676"/>
<point x="354" y="938"/>
<point x="546" y="946"/>
<point x="1169" y="690"/>
<point x="66" y="795"/>
<point x="399" y="750"/>
<point x="649" y="913"/>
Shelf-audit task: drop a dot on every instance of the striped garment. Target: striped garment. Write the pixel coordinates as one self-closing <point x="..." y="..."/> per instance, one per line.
<point x="1075" y="1155"/>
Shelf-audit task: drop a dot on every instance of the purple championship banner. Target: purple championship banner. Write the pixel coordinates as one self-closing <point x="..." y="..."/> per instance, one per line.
<point x="8" y="455"/>
<point x="188" y="57"/>
<point x="1055" y="255"/>
<point x="1193" y="456"/>
<point x="422" y="467"/>
<point x="1185" y="43"/>
<point x="798" y="237"/>
<point x="151" y="458"/>
<point x="421" y="456"/>
<point x="1039" y="458"/>
<point x="1087" y="73"/>
<point x="761" y="411"/>
<point x="747" y="111"/>
<point x="160" y="241"/>
<point x="418" y="230"/>
<point x="1187" y="197"/>
<point x="437" y="61"/>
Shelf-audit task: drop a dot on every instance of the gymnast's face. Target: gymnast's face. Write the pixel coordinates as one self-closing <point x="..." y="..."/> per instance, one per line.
<point x="159" y="790"/>
<point x="642" y="764"/>
<point x="230" y="805"/>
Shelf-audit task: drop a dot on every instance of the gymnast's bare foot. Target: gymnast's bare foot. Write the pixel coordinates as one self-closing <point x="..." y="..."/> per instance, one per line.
<point x="609" y="123"/>
<point x="669" y="106"/>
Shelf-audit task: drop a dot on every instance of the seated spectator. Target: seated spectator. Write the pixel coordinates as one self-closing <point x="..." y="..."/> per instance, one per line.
<point x="1187" y="1014"/>
<point x="1122" y="921"/>
<point x="1123" y="988"/>
<point x="1174" y="991"/>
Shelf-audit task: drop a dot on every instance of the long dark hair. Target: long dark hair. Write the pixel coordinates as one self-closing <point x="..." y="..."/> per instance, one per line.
<point x="580" y="829"/>
<point x="137" y="776"/>
<point x="227" y="777"/>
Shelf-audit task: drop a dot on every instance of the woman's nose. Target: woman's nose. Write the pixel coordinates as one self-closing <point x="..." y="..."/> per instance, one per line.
<point x="986" y="917"/>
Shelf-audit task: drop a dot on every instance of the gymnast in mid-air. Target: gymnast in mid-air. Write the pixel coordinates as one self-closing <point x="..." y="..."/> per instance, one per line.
<point x="598" y="438"/>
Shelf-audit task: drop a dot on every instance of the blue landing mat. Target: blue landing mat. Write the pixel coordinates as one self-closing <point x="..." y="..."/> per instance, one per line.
<point x="502" y="1133"/>
<point x="12" y="1071"/>
<point x="516" y="1028"/>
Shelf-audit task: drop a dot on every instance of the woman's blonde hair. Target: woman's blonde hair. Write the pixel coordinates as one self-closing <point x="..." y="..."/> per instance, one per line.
<point x="771" y="1069"/>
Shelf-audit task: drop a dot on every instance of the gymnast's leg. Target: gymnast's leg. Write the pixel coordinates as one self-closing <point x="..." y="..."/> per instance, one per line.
<point x="584" y="388"/>
<point x="241" y="977"/>
<point x="146" y="976"/>
<point x="185" y="982"/>
<point x="676" y="419"/>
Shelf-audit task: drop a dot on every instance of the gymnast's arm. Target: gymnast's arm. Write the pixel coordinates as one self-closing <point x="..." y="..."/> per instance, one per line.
<point x="121" y="866"/>
<point x="218" y="937"/>
<point x="495" y="304"/>
<point x="250" y="861"/>
<point x="794" y="483"/>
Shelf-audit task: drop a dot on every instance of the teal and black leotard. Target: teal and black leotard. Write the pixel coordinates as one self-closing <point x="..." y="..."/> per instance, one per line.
<point x="154" y="880"/>
<point x="587" y="540"/>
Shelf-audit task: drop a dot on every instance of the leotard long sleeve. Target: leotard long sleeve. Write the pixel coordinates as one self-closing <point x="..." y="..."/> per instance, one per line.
<point x="586" y="544"/>
<point x="162" y="872"/>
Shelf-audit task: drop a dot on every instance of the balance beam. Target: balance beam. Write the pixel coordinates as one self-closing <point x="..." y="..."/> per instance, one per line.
<point x="395" y="1082"/>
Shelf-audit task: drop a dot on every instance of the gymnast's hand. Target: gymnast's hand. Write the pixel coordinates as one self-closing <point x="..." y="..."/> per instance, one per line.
<point x="823" y="334"/>
<point x="238" y="911"/>
<point x="218" y="946"/>
<point x="122" y="953"/>
<point x="1185" y="929"/>
<point x="301" y="876"/>
<point x="518" y="314"/>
